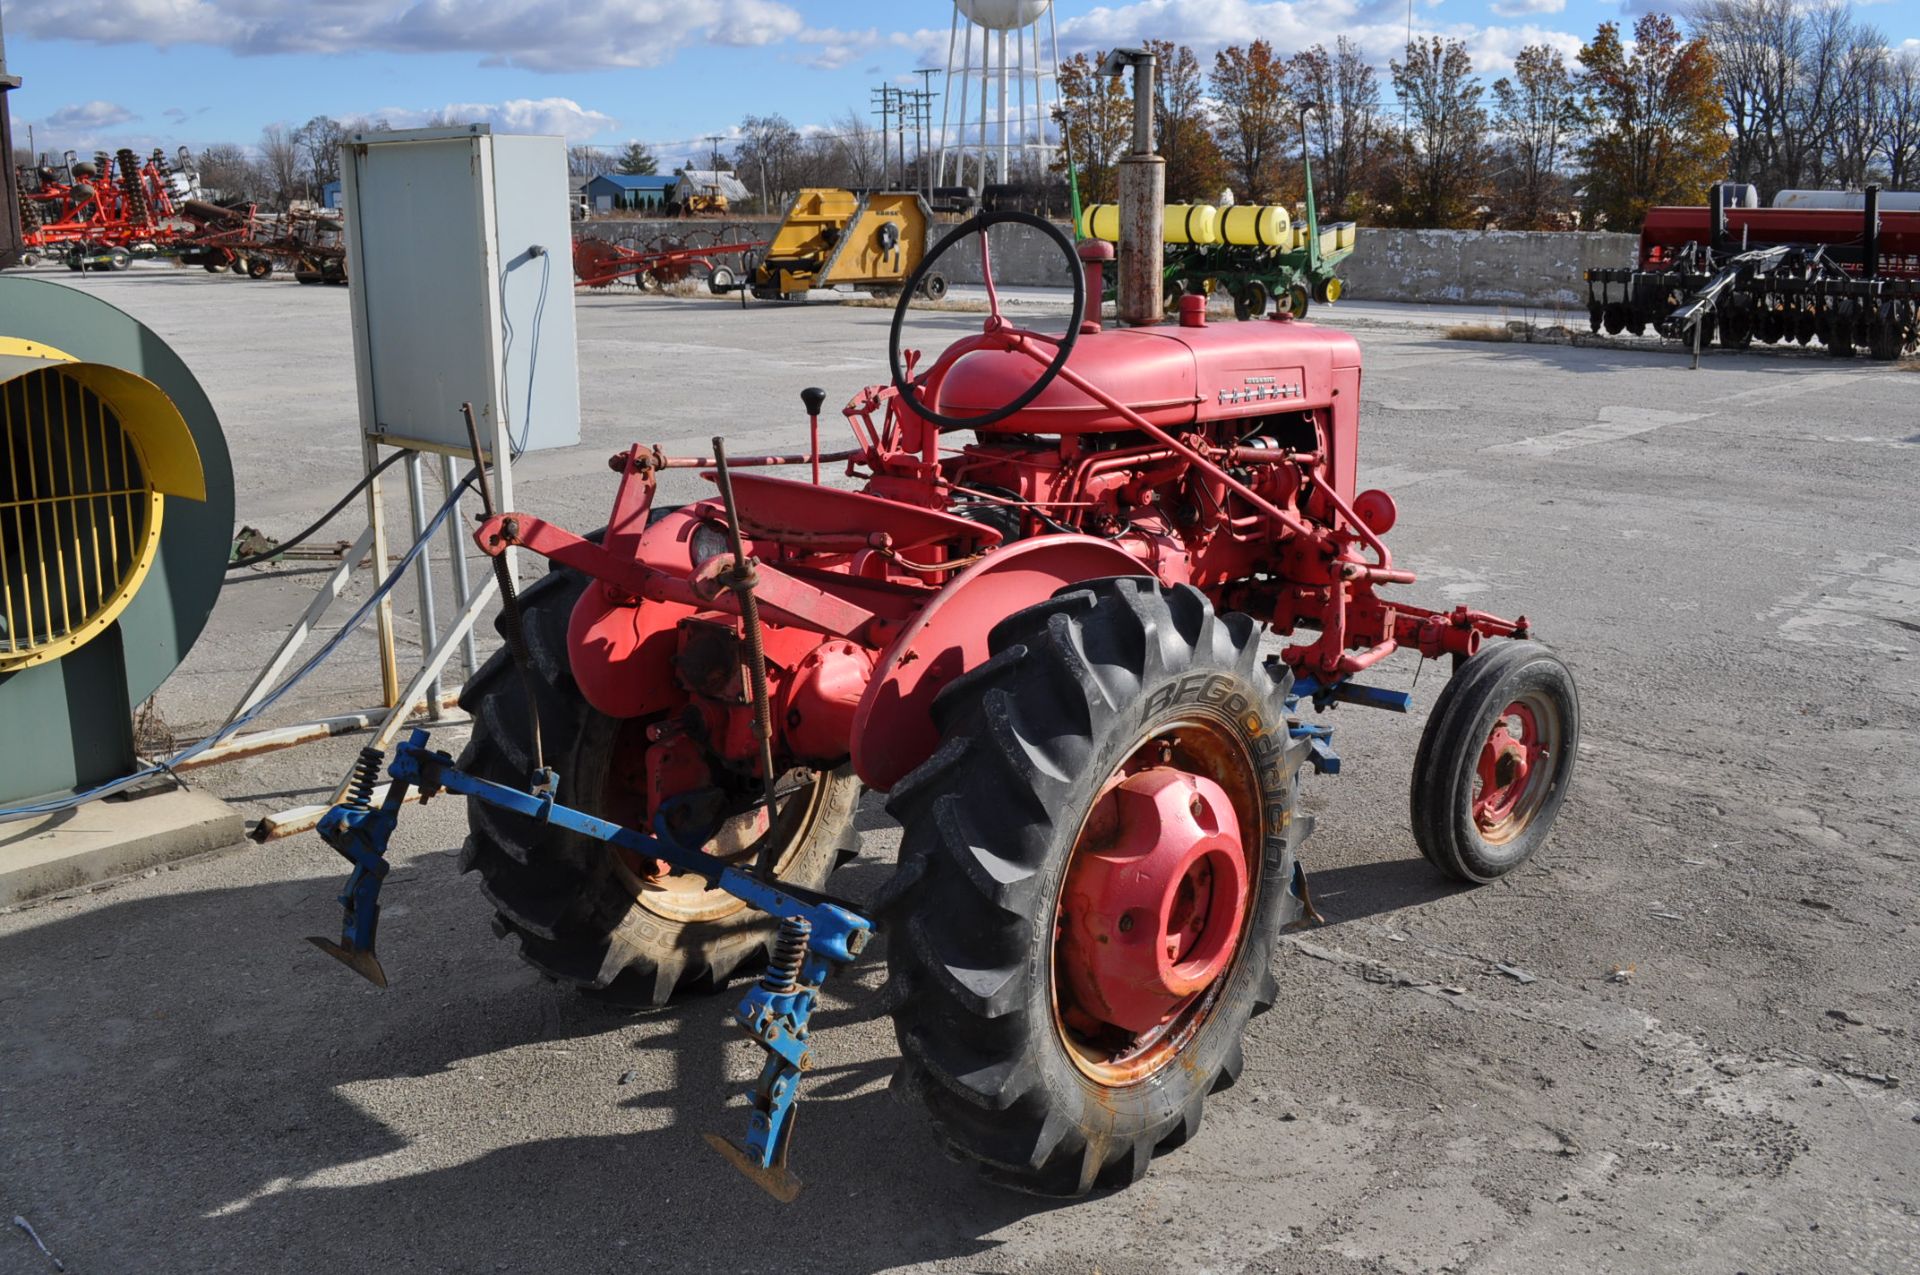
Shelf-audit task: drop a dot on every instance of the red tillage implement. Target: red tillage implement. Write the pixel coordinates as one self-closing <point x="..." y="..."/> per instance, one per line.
<point x="103" y="213"/>
<point x="599" y="263"/>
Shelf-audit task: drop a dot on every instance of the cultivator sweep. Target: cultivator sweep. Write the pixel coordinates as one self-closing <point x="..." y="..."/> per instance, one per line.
<point x="1847" y="278"/>
<point x="1037" y="625"/>
<point x="657" y="263"/>
<point x="102" y="214"/>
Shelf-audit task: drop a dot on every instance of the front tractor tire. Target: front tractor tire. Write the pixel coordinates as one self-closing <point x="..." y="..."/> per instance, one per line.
<point x="1093" y="869"/>
<point x="1495" y="761"/>
<point x="582" y="913"/>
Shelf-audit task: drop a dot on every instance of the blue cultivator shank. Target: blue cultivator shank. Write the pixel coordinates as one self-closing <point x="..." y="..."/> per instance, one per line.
<point x="815" y="932"/>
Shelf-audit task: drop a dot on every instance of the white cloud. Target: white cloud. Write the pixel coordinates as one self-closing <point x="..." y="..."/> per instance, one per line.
<point x="542" y="35"/>
<point x="89" y="117"/>
<point x="1520" y="8"/>
<point x="551" y="115"/>
<point x="1378" y="27"/>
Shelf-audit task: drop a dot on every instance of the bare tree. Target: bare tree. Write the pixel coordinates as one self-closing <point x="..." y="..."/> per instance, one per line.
<point x="1859" y="104"/>
<point x="767" y="156"/>
<point x="855" y="149"/>
<point x="1899" y="140"/>
<point x="1443" y="153"/>
<point x="229" y="172"/>
<point x="279" y="165"/>
<point x="1339" y="94"/>
<point x="587" y="161"/>
<point x="1535" y="112"/>
<point x="1808" y="90"/>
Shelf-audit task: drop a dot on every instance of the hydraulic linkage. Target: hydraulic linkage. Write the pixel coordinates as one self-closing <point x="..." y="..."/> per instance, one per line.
<point x="815" y="932"/>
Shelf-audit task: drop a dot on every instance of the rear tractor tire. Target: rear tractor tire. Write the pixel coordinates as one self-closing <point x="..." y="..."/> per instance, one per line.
<point x="1093" y="869"/>
<point x="582" y="912"/>
<point x="1495" y="761"/>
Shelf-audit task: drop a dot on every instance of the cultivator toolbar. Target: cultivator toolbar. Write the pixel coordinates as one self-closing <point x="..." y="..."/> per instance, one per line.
<point x="1848" y="278"/>
<point x="653" y="264"/>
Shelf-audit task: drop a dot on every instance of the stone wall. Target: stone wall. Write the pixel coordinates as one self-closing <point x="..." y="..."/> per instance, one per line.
<point x="1480" y="267"/>
<point x="1461" y="267"/>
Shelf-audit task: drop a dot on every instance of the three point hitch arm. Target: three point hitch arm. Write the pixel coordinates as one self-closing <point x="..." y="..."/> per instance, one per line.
<point x="815" y="935"/>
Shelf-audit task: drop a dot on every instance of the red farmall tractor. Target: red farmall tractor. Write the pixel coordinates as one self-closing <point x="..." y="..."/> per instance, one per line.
<point x="1037" y="625"/>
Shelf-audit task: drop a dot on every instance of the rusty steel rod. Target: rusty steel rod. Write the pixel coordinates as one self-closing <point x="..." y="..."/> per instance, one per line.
<point x="741" y="580"/>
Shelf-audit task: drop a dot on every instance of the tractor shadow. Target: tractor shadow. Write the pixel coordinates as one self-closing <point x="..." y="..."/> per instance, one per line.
<point x="188" y="1086"/>
<point x="1357" y="891"/>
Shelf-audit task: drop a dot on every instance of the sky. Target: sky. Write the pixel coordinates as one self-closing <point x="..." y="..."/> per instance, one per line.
<point x="666" y="72"/>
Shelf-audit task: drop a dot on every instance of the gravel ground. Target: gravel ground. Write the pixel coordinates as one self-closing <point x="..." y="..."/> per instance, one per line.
<point x="1728" y="559"/>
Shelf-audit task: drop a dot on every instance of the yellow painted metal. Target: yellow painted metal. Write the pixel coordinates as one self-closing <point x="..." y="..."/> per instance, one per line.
<point x="1258" y="226"/>
<point x="863" y="256"/>
<point x="833" y="238"/>
<point x="88" y="455"/>
<point x="1185" y="223"/>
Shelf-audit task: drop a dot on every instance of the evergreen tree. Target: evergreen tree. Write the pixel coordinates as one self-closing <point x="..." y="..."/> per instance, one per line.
<point x="638" y="161"/>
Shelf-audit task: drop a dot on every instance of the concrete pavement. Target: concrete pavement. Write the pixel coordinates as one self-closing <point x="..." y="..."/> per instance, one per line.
<point x="1726" y="558"/>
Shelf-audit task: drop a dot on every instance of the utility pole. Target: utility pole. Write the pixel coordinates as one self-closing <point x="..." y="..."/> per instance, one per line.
<point x="923" y="121"/>
<point x="885" y="112"/>
<point x="900" y="127"/>
<point x="713" y="152"/>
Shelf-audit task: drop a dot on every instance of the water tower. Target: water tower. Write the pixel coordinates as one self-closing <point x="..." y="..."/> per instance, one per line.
<point x="997" y="115"/>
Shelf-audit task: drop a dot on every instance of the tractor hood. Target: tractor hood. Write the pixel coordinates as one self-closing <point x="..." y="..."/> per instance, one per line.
<point x="1170" y="374"/>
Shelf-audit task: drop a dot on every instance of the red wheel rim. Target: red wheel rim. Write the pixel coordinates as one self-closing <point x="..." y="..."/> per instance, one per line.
<point x="678" y="896"/>
<point x="1514" y="771"/>
<point x="1154" y="904"/>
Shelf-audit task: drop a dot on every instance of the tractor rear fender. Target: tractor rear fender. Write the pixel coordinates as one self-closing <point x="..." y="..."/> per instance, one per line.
<point x="621" y="650"/>
<point x="893" y="729"/>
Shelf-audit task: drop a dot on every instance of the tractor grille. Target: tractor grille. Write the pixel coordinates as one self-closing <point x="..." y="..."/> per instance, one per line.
<point x="78" y="519"/>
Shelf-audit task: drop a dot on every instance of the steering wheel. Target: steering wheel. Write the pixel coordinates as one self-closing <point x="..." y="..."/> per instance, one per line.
<point x="999" y="333"/>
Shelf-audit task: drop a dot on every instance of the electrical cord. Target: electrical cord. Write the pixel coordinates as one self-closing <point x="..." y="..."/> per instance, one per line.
<point x="255" y="559"/>
<point x="517" y="446"/>
<point x="14" y="813"/>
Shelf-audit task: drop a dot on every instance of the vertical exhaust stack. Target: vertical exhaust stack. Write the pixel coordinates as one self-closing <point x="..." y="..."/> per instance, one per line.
<point x="1143" y="197"/>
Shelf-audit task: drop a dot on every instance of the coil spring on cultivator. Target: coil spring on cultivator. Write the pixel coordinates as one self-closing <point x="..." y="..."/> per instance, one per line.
<point x="127" y="172"/>
<point x="789" y="952"/>
<point x="365" y="778"/>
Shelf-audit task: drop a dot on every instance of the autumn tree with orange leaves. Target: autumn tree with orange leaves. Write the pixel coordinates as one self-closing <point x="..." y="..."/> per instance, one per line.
<point x="1095" y="116"/>
<point x="1657" y="125"/>
<point x="1256" y="121"/>
<point x="1184" y="135"/>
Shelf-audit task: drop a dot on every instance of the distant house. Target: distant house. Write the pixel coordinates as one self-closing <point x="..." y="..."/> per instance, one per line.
<point x="624" y="192"/>
<point x="330" y="195"/>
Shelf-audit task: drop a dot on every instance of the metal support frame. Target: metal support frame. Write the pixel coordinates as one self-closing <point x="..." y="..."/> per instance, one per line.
<point x="424" y="687"/>
<point x="816" y="932"/>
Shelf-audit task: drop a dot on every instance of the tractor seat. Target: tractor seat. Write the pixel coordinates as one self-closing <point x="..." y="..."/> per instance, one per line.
<point x="833" y="520"/>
